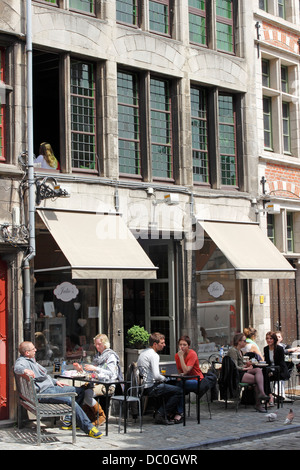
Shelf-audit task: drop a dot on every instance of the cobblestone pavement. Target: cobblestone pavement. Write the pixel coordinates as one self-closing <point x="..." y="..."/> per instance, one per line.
<point x="289" y="441"/>
<point x="228" y="429"/>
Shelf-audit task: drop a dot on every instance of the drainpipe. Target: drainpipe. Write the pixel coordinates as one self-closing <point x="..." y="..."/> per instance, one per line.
<point x="31" y="182"/>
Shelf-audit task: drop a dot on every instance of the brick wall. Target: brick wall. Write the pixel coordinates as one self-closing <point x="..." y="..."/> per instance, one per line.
<point x="283" y="181"/>
<point x="280" y="38"/>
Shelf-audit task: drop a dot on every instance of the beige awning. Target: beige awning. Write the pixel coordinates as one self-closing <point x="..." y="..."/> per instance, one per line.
<point x="98" y="246"/>
<point x="249" y="250"/>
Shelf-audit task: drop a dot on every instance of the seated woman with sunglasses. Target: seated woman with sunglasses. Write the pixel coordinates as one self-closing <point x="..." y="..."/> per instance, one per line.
<point x="248" y="374"/>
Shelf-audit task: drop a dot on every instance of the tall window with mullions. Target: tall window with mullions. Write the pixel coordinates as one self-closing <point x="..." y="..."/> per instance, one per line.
<point x="225" y="26"/>
<point x="159" y="17"/>
<point x="83" y="116"/>
<point x="161" y="128"/>
<point x="128" y="124"/>
<point x="199" y="135"/>
<point x="227" y="140"/>
<point x="197" y="22"/>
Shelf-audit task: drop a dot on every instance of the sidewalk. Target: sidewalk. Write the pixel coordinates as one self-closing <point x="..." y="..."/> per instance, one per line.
<point x="225" y="426"/>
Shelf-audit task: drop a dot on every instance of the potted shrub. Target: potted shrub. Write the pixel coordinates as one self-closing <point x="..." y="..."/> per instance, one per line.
<point x="136" y="340"/>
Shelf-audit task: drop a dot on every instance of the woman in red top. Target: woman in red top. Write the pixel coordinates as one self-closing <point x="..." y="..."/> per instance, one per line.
<point x="187" y="363"/>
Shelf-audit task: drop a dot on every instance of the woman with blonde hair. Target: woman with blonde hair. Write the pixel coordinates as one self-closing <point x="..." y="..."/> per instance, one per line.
<point x="251" y="346"/>
<point x="46" y="157"/>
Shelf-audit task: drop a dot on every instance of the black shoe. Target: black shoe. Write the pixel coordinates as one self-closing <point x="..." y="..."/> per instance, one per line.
<point x="159" y="419"/>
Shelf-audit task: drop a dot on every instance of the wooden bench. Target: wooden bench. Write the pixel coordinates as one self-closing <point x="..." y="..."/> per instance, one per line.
<point x="28" y="398"/>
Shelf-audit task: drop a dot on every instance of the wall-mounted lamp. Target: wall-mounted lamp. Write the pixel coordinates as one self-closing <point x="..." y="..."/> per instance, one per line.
<point x="47" y="188"/>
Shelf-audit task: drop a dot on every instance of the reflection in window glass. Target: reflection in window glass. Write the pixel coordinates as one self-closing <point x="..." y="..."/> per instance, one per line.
<point x="217" y="316"/>
<point x="65" y="324"/>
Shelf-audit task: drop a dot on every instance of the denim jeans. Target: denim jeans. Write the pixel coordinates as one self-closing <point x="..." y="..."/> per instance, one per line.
<point x="81" y="418"/>
<point x="171" y="394"/>
<point x="207" y="383"/>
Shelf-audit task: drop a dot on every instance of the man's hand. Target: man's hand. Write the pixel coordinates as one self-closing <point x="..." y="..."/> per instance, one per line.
<point x="60" y="384"/>
<point x="29" y="372"/>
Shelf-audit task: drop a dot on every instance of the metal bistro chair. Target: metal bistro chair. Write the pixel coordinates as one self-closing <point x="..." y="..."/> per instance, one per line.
<point x="205" y="366"/>
<point x="132" y="395"/>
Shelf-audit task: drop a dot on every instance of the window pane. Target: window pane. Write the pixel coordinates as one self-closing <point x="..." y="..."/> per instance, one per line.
<point x="127" y="11"/>
<point x="290" y="232"/>
<point x="271" y="227"/>
<point x="199" y="135"/>
<point x="267" y="123"/>
<point x="224" y="37"/>
<point x="284" y="79"/>
<point x="197" y="21"/>
<point x="82" y="115"/>
<point x="87" y="6"/>
<point x="159" y="17"/>
<point x="224" y="8"/>
<point x="224" y="26"/>
<point x="227" y="140"/>
<point x="281" y="8"/>
<point x="286" y="127"/>
<point x="128" y="124"/>
<point x="265" y="68"/>
<point x="161" y="138"/>
<point x="263" y="5"/>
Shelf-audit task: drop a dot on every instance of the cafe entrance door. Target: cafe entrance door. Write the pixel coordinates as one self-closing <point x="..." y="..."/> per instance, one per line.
<point x="284" y="312"/>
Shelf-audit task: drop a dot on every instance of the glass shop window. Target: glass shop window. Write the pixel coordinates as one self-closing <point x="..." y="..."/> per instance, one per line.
<point x="66" y="317"/>
<point x="217" y="299"/>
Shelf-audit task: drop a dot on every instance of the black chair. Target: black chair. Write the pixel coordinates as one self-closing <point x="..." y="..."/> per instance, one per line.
<point x="229" y="382"/>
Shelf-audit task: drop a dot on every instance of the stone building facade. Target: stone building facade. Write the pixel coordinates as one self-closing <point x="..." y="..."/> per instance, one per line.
<point x="154" y="111"/>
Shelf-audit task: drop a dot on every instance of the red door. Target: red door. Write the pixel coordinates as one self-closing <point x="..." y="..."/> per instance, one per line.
<point x="3" y="342"/>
